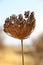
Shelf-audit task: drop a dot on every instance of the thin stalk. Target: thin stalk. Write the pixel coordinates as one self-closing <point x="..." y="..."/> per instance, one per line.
<point x="22" y="52"/>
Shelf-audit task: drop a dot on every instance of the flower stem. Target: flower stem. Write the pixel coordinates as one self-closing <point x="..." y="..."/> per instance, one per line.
<point x="22" y="52"/>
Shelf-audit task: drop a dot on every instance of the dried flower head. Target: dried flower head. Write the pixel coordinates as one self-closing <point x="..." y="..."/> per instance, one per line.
<point x="20" y="27"/>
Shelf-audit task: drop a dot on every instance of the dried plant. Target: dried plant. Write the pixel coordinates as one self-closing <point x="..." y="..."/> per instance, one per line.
<point x="20" y="27"/>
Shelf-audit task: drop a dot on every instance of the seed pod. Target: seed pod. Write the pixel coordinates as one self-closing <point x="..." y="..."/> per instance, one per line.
<point x="20" y="17"/>
<point x="32" y="16"/>
<point x="27" y="14"/>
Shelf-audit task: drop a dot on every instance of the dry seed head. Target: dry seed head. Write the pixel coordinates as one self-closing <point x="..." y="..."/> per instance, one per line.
<point x="19" y="27"/>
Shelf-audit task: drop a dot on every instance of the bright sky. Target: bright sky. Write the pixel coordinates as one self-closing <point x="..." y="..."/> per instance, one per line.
<point x="9" y="7"/>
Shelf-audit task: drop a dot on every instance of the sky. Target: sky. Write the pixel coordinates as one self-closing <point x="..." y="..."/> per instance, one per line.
<point x="9" y="7"/>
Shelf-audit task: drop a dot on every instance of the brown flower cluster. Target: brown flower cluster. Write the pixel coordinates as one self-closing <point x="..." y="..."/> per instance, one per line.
<point x="18" y="26"/>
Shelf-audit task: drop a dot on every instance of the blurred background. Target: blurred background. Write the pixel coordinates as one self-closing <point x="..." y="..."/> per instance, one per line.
<point x="33" y="45"/>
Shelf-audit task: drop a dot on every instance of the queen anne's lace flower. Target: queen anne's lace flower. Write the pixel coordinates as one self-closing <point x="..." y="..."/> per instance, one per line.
<point x="20" y="27"/>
